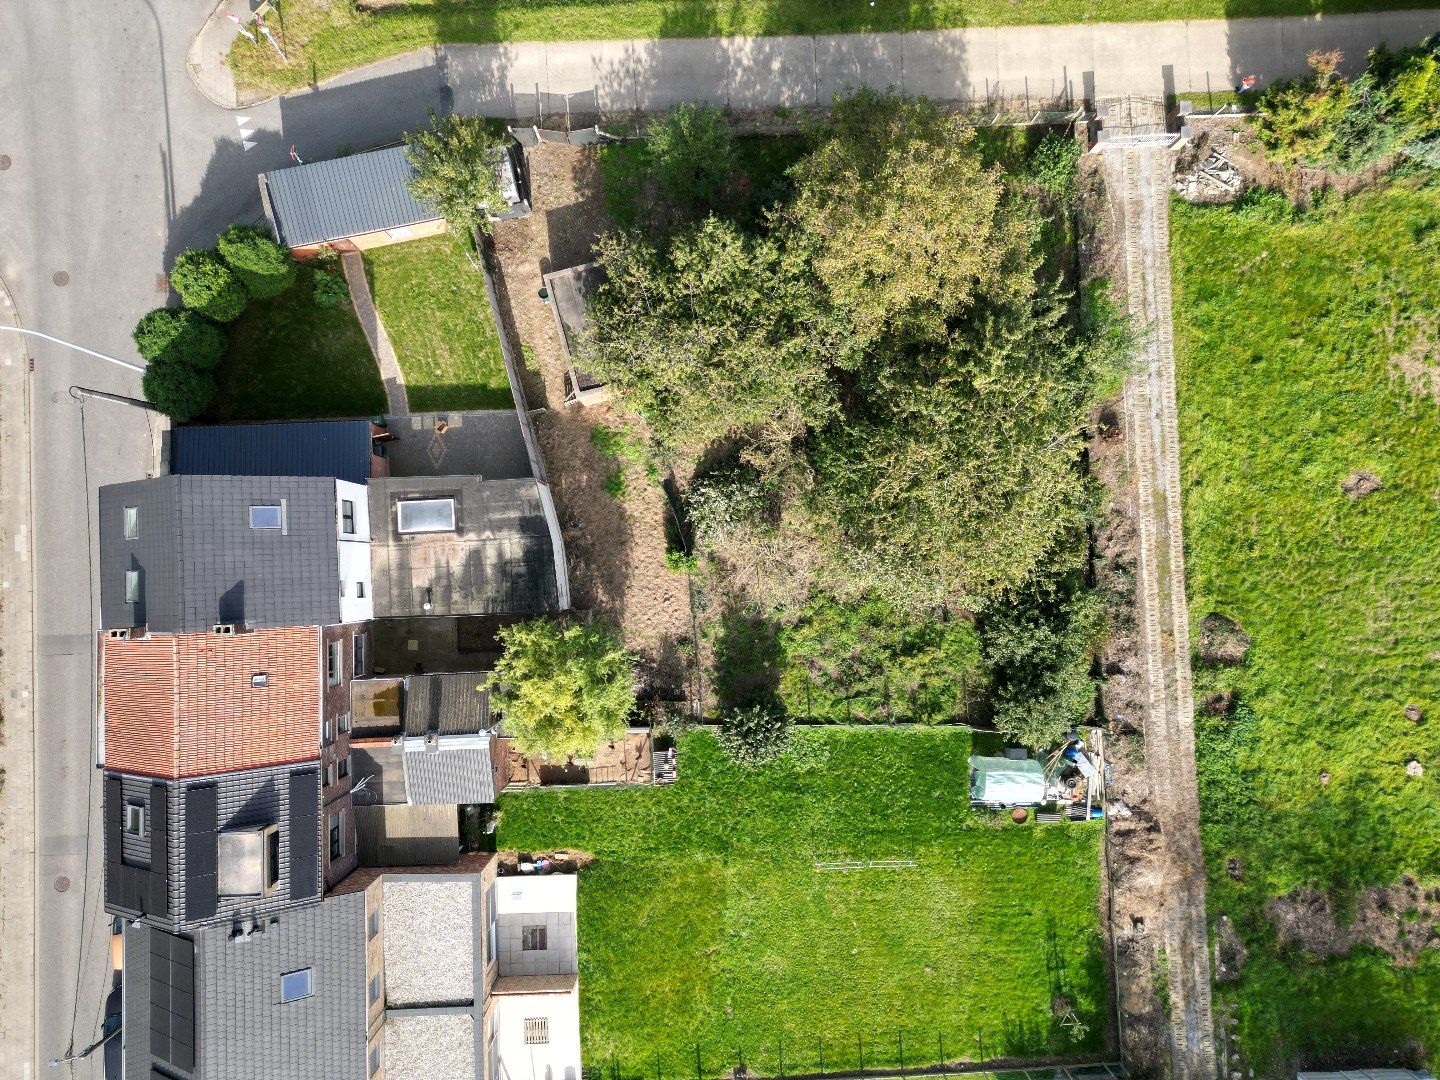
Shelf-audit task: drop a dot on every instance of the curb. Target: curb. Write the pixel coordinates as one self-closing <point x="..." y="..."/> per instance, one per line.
<point x="194" y="64"/>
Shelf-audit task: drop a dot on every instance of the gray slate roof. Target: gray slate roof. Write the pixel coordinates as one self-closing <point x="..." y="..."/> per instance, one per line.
<point x="454" y="770"/>
<point x="200" y="563"/>
<point x="448" y="704"/>
<point x="336" y="448"/>
<point x="241" y="1029"/>
<point x="330" y="200"/>
<point x="499" y="560"/>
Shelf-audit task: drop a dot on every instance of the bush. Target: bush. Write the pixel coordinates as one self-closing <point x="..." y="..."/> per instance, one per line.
<point x="1055" y="165"/>
<point x="263" y="266"/>
<point x="207" y="285"/>
<point x="181" y="391"/>
<point x="681" y="563"/>
<point x="724" y="502"/>
<point x="692" y="156"/>
<point x="330" y="288"/>
<point x="754" y="734"/>
<point x="562" y="687"/>
<point x="176" y="334"/>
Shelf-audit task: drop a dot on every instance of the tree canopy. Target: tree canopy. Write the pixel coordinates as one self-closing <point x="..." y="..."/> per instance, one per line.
<point x="263" y="266"/>
<point x="562" y="687"/>
<point x="455" y="170"/>
<point x="180" y="390"/>
<point x="692" y="156"/>
<point x="177" y="334"/>
<point x="205" y="284"/>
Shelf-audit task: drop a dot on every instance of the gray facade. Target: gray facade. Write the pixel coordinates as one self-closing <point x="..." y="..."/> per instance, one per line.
<point x="198" y="561"/>
<point x="241" y="1029"/>
<point x="176" y="883"/>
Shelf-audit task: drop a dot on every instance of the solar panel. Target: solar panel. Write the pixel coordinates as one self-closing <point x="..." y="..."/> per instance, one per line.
<point x="304" y="834"/>
<point x="201" y="852"/>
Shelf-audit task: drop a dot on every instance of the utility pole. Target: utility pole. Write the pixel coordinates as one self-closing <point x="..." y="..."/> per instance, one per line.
<point x="80" y="393"/>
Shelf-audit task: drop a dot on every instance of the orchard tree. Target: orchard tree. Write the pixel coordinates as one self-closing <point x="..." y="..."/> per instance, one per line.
<point x="907" y="224"/>
<point x="692" y="156"/>
<point x="263" y="266"/>
<point x="181" y="391"/>
<point x="207" y="285"/>
<point x="717" y="333"/>
<point x="562" y="687"/>
<point x="178" y="334"/>
<point x="456" y="170"/>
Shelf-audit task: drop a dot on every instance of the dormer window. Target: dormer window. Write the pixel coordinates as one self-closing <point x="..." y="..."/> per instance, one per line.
<point x="426" y="515"/>
<point x="260" y="678"/>
<point x="134" y="819"/>
<point x="249" y="861"/>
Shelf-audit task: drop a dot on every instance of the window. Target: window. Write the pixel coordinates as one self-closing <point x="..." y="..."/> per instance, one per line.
<point x="132" y="586"/>
<point x="267" y="517"/>
<point x="331" y="777"/>
<point x="374" y="989"/>
<point x="344" y="767"/>
<point x="295" y="985"/>
<point x="132" y="522"/>
<point x="260" y="678"/>
<point x="337" y="836"/>
<point x="272" y="861"/>
<point x="537" y="1031"/>
<point x="358" y="648"/>
<point x="532" y="939"/>
<point x="334" y="669"/>
<point x="347" y="517"/>
<point x="135" y="819"/>
<point x="374" y="924"/>
<point x="327" y="731"/>
<point x="360" y="590"/>
<point x="374" y="1059"/>
<point x="426" y="515"/>
<point x="345" y="723"/>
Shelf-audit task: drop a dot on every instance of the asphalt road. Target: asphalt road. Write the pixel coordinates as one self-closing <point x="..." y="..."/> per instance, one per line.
<point x="116" y="164"/>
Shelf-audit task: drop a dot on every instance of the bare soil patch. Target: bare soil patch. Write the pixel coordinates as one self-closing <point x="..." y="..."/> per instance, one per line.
<point x="1301" y="183"/>
<point x="616" y="549"/>
<point x="1222" y="641"/>
<point x="1360" y="483"/>
<point x="1403" y="920"/>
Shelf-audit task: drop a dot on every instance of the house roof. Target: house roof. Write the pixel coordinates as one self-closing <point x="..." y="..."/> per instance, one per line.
<point x="237" y="1025"/>
<point x="451" y="770"/>
<point x="330" y="200"/>
<point x="456" y="703"/>
<point x="503" y="555"/>
<point x="186" y="704"/>
<point x="335" y="448"/>
<point x="199" y="562"/>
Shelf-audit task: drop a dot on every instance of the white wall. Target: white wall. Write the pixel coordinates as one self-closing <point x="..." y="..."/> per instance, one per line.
<point x="354" y="555"/>
<point x="534" y="894"/>
<point x="559" y="1059"/>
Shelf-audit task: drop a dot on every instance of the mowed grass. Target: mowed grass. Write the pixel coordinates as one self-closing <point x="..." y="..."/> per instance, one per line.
<point x="290" y="359"/>
<point x="323" y="38"/>
<point x="704" y="926"/>
<point x="1286" y="334"/>
<point x="431" y="299"/>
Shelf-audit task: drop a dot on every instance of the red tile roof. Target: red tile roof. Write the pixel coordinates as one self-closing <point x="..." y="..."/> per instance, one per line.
<point x="183" y="704"/>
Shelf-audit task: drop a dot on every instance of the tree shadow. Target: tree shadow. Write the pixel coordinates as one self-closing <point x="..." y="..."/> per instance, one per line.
<point x="747" y="660"/>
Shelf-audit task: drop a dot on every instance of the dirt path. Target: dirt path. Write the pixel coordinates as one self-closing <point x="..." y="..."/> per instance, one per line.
<point x="1138" y="178"/>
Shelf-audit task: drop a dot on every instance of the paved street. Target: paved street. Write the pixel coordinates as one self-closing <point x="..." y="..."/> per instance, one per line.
<point x="116" y="162"/>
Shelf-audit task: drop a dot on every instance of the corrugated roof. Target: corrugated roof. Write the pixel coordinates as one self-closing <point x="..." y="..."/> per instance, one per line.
<point x="457" y="771"/>
<point x="337" y="448"/>
<point x="330" y="200"/>
<point x="448" y="704"/>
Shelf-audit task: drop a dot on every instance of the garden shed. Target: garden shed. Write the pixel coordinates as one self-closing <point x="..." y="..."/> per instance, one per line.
<point x="1001" y="781"/>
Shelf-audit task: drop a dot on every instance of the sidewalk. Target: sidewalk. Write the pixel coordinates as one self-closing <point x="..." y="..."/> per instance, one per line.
<point x="1038" y="64"/>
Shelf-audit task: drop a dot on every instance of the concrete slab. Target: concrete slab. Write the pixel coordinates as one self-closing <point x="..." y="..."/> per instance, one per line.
<point x="937" y="65"/>
<point x="770" y="71"/>
<point x="853" y="60"/>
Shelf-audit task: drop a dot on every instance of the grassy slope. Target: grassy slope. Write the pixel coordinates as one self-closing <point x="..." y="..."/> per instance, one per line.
<point x="703" y="921"/>
<point x="1285" y="389"/>
<point x="289" y="359"/>
<point x="325" y="37"/>
<point x="432" y="301"/>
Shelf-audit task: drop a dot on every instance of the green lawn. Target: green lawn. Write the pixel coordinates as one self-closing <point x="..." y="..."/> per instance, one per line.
<point x="432" y="302"/>
<point x="703" y="923"/>
<point x="290" y="360"/>
<point x="323" y="38"/>
<point x="1286" y="333"/>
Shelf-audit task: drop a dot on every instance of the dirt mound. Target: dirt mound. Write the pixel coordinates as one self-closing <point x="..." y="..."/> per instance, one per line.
<point x="563" y="862"/>
<point x="1360" y="483"/>
<point x="1221" y="703"/>
<point x="1222" y="641"/>
<point x="1402" y="919"/>
<point x="1231" y="953"/>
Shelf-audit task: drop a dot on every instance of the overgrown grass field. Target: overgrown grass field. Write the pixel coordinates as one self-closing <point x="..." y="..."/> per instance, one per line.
<point x="1293" y="339"/>
<point x="704" y="926"/>
<point x="432" y="302"/>
<point x="324" y="38"/>
<point x="290" y="359"/>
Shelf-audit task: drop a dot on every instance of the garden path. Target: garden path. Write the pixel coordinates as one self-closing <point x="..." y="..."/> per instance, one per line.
<point x="396" y="397"/>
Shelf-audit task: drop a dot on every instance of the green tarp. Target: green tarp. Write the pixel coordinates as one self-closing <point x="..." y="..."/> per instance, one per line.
<point x="1006" y="781"/>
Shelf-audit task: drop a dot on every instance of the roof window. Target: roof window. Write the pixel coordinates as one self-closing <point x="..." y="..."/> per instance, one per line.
<point x="426" y="515"/>
<point x="269" y="516"/>
<point x="295" y="985"/>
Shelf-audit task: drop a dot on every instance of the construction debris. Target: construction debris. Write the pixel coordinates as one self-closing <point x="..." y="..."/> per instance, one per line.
<point x="1212" y="179"/>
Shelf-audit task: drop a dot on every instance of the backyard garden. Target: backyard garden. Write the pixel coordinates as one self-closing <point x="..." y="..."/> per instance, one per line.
<point x="1309" y="369"/>
<point x="708" y="937"/>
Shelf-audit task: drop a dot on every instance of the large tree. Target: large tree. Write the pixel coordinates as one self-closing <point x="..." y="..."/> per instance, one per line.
<point x="456" y="170"/>
<point x="562" y="687"/>
<point x="715" y="334"/>
<point x="907" y="224"/>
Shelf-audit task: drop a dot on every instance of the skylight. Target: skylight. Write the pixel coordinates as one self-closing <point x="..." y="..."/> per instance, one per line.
<point x="295" y="985"/>
<point x="427" y="515"/>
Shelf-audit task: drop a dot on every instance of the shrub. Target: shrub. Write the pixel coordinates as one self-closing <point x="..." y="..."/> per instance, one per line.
<point x="680" y="562"/>
<point x="330" y="288"/>
<point x="724" y="502"/>
<point x="263" y="266"/>
<point x="616" y="484"/>
<point x="207" y="285"/>
<point x="1055" y="165"/>
<point x="181" y="391"/>
<point x="455" y="170"/>
<point x="562" y="687"/>
<point x="754" y="734"/>
<point x="692" y="156"/>
<point x="177" y="334"/>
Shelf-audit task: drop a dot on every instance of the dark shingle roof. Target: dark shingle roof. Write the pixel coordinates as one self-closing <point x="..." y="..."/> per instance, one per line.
<point x="200" y="562"/>
<point x="242" y="1029"/>
<point x="337" y="448"/>
<point x="330" y="200"/>
<point x="448" y="704"/>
